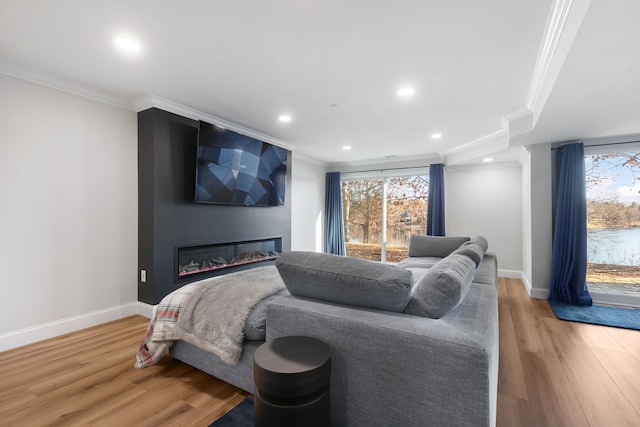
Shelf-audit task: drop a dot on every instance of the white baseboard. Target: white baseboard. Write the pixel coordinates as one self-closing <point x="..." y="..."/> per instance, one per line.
<point x="632" y="301"/>
<point x="511" y="274"/>
<point x="539" y="293"/>
<point x="145" y="309"/>
<point x="527" y="284"/>
<point x="44" y="331"/>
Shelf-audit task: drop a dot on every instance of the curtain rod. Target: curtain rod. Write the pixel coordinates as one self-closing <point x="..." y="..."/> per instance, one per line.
<point x="599" y="145"/>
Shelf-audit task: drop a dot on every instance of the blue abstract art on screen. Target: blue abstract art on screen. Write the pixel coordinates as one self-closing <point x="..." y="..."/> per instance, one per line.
<point x="239" y="170"/>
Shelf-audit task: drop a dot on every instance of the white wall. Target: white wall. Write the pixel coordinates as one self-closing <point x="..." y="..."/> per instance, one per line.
<point x="68" y="206"/>
<point x="527" y="236"/>
<point x="308" y="181"/>
<point x="487" y="200"/>
<point x="539" y="220"/>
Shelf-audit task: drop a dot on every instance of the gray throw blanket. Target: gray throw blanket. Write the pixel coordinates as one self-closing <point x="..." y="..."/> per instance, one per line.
<point x="214" y="316"/>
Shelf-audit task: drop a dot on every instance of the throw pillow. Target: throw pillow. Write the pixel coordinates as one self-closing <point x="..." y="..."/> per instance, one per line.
<point x="345" y="280"/>
<point x="471" y="250"/>
<point x="479" y="240"/>
<point x="436" y="246"/>
<point x="442" y="288"/>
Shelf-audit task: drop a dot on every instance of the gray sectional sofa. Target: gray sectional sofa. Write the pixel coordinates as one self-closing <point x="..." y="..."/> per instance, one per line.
<point x="413" y="344"/>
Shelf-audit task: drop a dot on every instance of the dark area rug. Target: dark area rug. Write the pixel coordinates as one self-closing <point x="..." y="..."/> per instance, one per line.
<point x="618" y="317"/>
<point x="240" y="416"/>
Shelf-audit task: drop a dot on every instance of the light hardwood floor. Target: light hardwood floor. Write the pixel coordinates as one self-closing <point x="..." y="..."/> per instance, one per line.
<point x="552" y="373"/>
<point x="557" y="373"/>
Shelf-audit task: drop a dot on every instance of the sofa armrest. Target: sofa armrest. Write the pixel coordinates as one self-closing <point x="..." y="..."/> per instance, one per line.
<point x="398" y="369"/>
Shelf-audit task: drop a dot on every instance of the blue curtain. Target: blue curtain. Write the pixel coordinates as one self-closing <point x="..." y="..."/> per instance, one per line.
<point x="435" y="208"/>
<point x="333" y="223"/>
<point x="569" y="260"/>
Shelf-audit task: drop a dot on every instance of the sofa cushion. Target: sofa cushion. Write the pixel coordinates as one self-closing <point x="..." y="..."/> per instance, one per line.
<point x="434" y="246"/>
<point x="345" y="280"/>
<point x="442" y="288"/>
<point x="419" y="262"/>
<point x="418" y="273"/>
<point x="471" y="250"/>
<point x="479" y="240"/>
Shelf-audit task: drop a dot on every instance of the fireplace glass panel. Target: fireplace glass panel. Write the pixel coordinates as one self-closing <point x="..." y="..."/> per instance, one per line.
<point x="201" y="259"/>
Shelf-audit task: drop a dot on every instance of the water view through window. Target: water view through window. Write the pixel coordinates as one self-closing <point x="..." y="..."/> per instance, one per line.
<point x="381" y="214"/>
<point x="613" y="221"/>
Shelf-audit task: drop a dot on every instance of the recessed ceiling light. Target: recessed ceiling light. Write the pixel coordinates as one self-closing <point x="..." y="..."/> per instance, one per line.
<point x="406" y="91"/>
<point x="436" y="135"/>
<point x="346" y="148"/>
<point x="127" y="45"/>
<point x="284" y="118"/>
<point x="487" y="159"/>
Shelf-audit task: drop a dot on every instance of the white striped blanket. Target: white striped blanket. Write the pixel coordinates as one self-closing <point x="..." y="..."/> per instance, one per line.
<point x="161" y="332"/>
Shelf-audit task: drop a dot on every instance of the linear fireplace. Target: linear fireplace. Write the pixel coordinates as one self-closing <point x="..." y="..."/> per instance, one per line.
<point x="194" y="260"/>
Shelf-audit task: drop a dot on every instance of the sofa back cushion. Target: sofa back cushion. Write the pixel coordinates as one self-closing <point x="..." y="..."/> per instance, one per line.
<point x="479" y="240"/>
<point x="443" y="287"/>
<point x="419" y="262"/>
<point x="471" y="250"/>
<point x="345" y="280"/>
<point x="434" y="246"/>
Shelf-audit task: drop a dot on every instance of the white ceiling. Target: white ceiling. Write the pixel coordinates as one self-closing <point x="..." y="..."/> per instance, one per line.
<point x="490" y="75"/>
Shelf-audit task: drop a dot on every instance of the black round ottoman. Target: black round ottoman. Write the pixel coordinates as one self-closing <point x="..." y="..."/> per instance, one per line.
<point x="292" y="375"/>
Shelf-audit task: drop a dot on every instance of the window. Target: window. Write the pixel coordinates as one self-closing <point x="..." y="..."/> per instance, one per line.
<point x="613" y="222"/>
<point x="381" y="213"/>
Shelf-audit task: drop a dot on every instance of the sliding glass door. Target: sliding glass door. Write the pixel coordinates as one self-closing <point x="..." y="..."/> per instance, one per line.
<point x="613" y="223"/>
<point x="380" y="214"/>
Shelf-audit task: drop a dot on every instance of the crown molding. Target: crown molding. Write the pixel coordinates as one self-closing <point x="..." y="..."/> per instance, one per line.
<point x="523" y="156"/>
<point x="58" y="83"/>
<point x="483" y="140"/>
<point x="513" y="124"/>
<point x="487" y="144"/>
<point x="311" y="160"/>
<point x="518" y="122"/>
<point x="562" y="27"/>
<point x="153" y="101"/>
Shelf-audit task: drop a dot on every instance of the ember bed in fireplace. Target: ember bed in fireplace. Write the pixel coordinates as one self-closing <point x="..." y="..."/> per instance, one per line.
<point x="201" y="259"/>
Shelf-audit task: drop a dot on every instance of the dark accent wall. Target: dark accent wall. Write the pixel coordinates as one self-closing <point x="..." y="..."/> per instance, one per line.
<point x="168" y="218"/>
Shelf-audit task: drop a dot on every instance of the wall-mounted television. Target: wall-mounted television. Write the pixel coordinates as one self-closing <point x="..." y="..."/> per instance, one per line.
<point x="235" y="169"/>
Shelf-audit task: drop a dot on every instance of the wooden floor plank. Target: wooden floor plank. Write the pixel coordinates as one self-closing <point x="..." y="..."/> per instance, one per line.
<point x="512" y="411"/>
<point x="619" y="365"/>
<point x="602" y="401"/>
<point x="597" y="336"/>
<point x="628" y="339"/>
<point x="15" y="400"/>
<point x="551" y="401"/>
<point x="525" y="321"/>
<point x="510" y="378"/>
